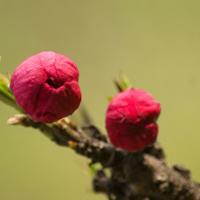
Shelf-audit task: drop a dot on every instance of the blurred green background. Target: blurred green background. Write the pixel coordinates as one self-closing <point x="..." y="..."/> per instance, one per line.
<point x="157" y="43"/>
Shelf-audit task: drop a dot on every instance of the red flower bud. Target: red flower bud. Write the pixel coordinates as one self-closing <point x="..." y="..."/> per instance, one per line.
<point x="46" y="86"/>
<point x="130" y="120"/>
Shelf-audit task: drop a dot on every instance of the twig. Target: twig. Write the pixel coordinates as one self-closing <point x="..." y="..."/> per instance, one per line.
<point x="143" y="175"/>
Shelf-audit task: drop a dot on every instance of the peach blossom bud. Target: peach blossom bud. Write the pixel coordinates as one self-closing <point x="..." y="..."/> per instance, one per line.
<point x="130" y="120"/>
<point x="46" y="86"/>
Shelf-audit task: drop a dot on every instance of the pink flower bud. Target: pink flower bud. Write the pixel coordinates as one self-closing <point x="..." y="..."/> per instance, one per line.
<point x="130" y="120"/>
<point x="46" y="86"/>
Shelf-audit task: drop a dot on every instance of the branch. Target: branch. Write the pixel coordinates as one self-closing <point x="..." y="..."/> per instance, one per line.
<point x="143" y="175"/>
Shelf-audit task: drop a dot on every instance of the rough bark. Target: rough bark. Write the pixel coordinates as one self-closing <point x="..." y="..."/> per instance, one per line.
<point x="143" y="175"/>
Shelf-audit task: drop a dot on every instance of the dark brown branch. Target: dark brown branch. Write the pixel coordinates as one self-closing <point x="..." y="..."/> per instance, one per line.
<point x="143" y="175"/>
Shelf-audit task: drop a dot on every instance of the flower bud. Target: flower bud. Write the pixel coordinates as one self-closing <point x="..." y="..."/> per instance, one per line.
<point x="46" y="86"/>
<point x="130" y="120"/>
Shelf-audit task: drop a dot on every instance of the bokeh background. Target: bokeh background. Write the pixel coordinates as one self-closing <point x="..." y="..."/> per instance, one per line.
<point x="157" y="43"/>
